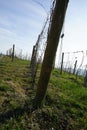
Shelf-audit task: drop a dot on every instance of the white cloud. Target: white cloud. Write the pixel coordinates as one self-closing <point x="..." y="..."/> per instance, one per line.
<point x="7" y="33"/>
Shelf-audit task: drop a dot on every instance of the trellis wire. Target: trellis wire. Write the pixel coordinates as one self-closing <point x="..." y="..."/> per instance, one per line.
<point x="71" y="57"/>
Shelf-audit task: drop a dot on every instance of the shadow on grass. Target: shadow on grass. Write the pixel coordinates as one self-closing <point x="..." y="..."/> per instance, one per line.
<point x="15" y="112"/>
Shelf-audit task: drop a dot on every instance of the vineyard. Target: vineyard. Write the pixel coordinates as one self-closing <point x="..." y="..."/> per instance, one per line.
<point x="43" y="91"/>
<point x="65" y="106"/>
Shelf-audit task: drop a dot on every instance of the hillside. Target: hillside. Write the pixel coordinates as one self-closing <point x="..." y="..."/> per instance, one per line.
<point x="65" y="107"/>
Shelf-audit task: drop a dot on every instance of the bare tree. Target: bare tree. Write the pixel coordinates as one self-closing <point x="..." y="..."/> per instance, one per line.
<point x="58" y="15"/>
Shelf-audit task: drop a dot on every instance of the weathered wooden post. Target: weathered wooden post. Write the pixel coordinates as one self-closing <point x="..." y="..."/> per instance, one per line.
<point x="50" y="52"/>
<point x="62" y="63"/>
<point x="54" y="62"/>
<point x="13" y="52"/>
<point x="33" y="65"/>
<point x="34" y="59"/>
<point x="33" y="52"/>
<point x="75" y="67"/>
<point x="7" y="53"/>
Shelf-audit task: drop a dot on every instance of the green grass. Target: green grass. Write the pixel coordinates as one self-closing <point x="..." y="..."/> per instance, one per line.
<point x="70" y="98"/>
<point x="65" y="106"/>
<point x="4" y="88"/>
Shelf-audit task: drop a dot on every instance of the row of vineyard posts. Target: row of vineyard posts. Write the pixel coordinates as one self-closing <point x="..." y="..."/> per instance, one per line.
<point x="75" y="70"/>
<point x="54" y="32"/>
<point x="35" y="58"/>
<point x="11" y="53"/>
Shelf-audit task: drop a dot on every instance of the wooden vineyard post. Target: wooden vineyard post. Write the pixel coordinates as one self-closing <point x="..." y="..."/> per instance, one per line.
<point x="33" y="52"/>
<point x="34" y="59"/>
<point x="62" y="63"/>
<point x="50" y="52"/>
<point x="75" y="67"/>
<point x="13" y="52"/>
<point x="33" y="66"/>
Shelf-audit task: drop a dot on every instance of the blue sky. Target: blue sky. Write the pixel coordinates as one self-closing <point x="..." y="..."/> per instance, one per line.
<point x="21" y="21"/>
<point x="76" y="26"/>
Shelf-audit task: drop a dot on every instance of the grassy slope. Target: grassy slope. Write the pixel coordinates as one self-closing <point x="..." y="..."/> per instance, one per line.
<point x="65" y="106"/>
<point x="12" y="81"/>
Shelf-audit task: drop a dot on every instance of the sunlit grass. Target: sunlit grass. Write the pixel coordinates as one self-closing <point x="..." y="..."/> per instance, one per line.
<point x="65" y="106"/>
